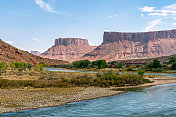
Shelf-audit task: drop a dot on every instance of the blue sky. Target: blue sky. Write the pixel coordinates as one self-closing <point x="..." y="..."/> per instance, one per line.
<point x="35" y="24"/>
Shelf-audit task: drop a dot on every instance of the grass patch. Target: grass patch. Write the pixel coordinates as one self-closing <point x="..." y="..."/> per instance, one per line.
<point x="57" y="100"/>
<point x="13" y="105"/>
<point x="106" y="79"/>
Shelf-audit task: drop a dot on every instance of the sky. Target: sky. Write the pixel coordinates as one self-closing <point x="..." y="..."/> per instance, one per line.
<point x="35" y="24"/>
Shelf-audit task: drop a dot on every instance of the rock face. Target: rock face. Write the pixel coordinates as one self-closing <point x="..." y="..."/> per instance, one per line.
<point x="11" y="54"/>
<point x="37" y="53"/>
<point x="118" y="45"/>
<point x="68" y="49"/>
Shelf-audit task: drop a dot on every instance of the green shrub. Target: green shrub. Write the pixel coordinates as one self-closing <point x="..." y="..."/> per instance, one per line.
<point x="99" y="63"/>
<point x="41" y="66"/>
<point x="172" y="60"/>
<point x="130" y="68"/>
<point x="3" y="67"/>
<point x="141" y="72"/>
<point x="173" y="66"/>
<point x="120" y="65"/>
<point x="155" y="64"/>
<point x="106" y="79"/>
<point x="156" y="69"/>
<point x="82" y="64"/>
<point x="20" y="66"/>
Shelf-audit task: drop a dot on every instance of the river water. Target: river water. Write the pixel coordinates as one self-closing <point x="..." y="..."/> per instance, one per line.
<point x="155" y="101"/>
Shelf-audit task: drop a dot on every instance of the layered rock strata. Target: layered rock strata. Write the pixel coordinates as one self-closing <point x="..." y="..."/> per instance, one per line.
<point x="68" y="49"/>
<point x="119" y="45"/>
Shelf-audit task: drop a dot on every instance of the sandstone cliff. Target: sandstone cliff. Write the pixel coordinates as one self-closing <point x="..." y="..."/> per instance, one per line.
<point x="118" y="45"/>
<point x="11" y="54"/>
<point x="68" y="49"/>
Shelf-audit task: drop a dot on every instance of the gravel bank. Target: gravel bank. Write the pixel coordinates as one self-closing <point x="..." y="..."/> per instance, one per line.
<point x="22" y="99"/>
<point x="32" y="98"/>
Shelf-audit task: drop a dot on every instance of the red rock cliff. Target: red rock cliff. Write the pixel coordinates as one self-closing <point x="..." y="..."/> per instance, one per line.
<point x="118" y="45"/>
<point x="71" y="41"/>
<point x="68" y="49"/>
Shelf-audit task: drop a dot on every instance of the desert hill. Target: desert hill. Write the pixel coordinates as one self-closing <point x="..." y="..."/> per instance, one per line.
<point x="10" y="54"/>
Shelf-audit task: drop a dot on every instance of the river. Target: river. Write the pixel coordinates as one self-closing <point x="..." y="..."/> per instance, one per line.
<point x="155" y="101"/>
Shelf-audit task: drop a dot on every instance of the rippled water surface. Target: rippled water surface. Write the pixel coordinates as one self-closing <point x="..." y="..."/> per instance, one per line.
<point x="156" y="101"/>
<point x="66" y="70"/>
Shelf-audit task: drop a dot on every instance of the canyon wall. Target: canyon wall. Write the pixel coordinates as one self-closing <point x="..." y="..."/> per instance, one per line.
<point x="119" y="45"/>
<point x="68" y="49"/>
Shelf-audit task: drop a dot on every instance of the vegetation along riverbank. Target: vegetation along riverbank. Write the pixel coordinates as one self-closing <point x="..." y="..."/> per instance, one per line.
<point x="24" y="86"/>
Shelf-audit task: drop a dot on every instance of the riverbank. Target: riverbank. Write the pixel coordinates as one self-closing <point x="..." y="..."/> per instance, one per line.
<point x="32" y="98"/>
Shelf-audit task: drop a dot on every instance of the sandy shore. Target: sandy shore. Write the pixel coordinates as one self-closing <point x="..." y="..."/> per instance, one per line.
<point x="31" y="98"/>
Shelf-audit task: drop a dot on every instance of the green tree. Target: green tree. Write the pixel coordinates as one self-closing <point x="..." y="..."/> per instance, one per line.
<point x="149" y="65"/>
<point x="141" y="72"/>
<point x="156" y="64"/>
<point x="29" y="66"/>
<point x="113" y="62"/>
<point x="94" y="63"/>
<point x="3" y="67"/>
<point x="20" y="66"/>
<point x="76" y="64"/>
<point x="82" y="64"/>
<point x="173" y="65"/>
<point x="101" y="64"/>
<point x="120" y="65"/>
<point x="41" y="66"/>
<point x="130" y="68"/>
<point x="85" y="64"/>
<point x="172" y="59"/>
<point x="12" y="65"/>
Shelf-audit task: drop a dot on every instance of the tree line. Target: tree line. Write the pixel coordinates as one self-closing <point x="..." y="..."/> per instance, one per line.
<point x="87" y="64"/>
<point x="20" y="66"/>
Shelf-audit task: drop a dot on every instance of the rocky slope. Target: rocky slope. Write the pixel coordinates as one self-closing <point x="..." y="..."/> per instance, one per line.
<point x="10" y="54"/>
<point x="118" y="45"/>
<point x="68" y="49"/>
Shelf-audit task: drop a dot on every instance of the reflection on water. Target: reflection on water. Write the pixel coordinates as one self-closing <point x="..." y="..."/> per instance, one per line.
<point x="156" y="101"/>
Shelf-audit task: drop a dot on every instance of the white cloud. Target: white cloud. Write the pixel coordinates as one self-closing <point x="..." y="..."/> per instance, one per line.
<point x="35" y="39"/>
<point x="45" y="6"/>
<point x="152" y="24"/>
<point x="148" y="9"/>
<point x="106" y="30"/>
<point x="165" y="11"/>
<point x="173" y="6"/>
<point x="174" y="24"/>
<point x="158" y="14"/>
<point x="10" y="42"/>
<point x="112" y="16"/>
<point x="142" y="15"/>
